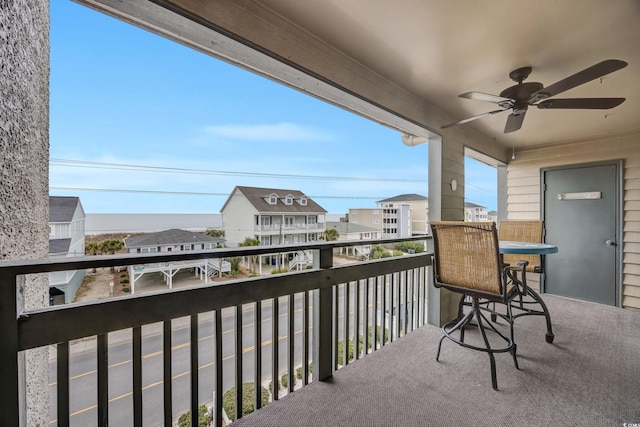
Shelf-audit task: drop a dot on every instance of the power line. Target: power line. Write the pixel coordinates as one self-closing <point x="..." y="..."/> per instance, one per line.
<point x="163" y="169"/>
<point x="191" y="193"/>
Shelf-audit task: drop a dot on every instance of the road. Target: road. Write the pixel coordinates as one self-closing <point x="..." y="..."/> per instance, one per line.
<point x="83" y="374"/>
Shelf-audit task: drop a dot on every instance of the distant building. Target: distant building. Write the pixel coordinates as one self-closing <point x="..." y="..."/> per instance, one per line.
<point x="475" y="213"/>
<point x="66" y="239"/>
<point x="175" y="240"/>
<point x="492" y="216"/>
<point x="419" y="206"/>
<point x="273" y="216"/>
<point x="392" y="221"/>
<point x="351" y="231"/>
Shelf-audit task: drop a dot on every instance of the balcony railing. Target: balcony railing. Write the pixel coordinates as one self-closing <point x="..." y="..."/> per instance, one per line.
<point x="356" y="307"/>
<point x="294" y="226"/>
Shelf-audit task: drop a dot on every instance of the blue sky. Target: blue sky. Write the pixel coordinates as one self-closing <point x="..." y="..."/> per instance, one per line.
<point x="172" y="130"/>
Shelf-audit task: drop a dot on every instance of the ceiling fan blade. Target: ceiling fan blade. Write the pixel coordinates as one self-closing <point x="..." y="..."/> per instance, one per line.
<point x="581" y="103"/>
<point x="479" y="96"/>
<point x="514" y="122"/>
<point x="468" y="119"/>
<point x="595" y="71"/>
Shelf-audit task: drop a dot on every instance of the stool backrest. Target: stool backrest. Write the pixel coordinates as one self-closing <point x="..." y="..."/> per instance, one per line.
<point x="522" y="231"/>
<point x="466" y="257"/>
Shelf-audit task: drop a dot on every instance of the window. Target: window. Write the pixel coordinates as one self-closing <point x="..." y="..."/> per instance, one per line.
<point x="312" y="219"/>
<point x="147" y="250"/>
<point x="208" y="246"/>
<point x="313" y="237"/>
<point x="272" y="199"/>
<point x="266" y="220"/>
<point x="265" y="240"/>
<point x="288" y="221"/>
<point x="288" y="200"/>
<point x="303" y="201"/>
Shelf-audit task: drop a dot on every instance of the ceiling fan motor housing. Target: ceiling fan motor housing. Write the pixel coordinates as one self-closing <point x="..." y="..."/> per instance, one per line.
<point x="522" y="91"/>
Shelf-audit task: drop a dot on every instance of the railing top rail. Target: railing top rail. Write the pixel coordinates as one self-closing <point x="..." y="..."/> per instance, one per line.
<point x="44" y="265"/>
<point x="50" y="325"/>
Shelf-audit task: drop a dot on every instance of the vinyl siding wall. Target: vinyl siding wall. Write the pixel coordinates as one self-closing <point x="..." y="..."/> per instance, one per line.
<point x="523" y="195"/>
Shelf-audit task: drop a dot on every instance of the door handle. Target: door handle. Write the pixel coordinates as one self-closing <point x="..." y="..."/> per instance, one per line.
<point x="610" y="242"/>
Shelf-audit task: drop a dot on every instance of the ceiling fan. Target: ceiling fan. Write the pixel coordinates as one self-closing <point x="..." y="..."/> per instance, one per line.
<point x="518" y="98"/>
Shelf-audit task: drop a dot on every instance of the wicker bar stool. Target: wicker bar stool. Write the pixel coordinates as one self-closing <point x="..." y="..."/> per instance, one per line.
<point x="528" y="302"/>
<point x="467" y="261"/>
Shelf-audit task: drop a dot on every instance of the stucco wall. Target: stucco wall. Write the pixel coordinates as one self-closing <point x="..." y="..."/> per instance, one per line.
<point x="24" y="172"/>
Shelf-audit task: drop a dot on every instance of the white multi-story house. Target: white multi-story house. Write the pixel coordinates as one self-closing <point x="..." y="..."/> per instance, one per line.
<point x="272" y="216"/>
<point x="392" y="221"/>
<point x="66" y="239"/>
<point x="419" y="206"/>
<point x="473" y="212"/>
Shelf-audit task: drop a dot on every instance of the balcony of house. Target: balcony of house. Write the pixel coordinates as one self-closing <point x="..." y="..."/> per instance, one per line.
<point x="152" y="357"/>
<point x="289" y="226"/>
<point x="112" y="368"/>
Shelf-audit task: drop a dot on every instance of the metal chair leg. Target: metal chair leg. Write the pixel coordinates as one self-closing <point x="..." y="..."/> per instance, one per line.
<point x="549" y="335"/>
<point x="514" y="348"/>
<point x="492" y="359"/>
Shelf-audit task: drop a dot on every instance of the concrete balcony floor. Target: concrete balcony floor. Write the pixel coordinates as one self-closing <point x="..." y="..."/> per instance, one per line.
<point x="589" y="376"/>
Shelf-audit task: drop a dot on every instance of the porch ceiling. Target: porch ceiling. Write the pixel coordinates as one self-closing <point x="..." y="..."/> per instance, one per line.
<point x="438" y="49"/>
<point x="434" y="50"/>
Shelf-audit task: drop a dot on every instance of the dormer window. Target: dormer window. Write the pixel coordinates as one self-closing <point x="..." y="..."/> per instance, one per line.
<point x="288" y="200"/>
<point x="272" y="199"/>
<point x="303" y="201"/>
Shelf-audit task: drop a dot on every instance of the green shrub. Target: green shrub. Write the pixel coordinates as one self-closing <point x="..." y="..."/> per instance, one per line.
<point x="248" y="398"/>
<point x="235" y="265"/>
<point x="279" y="270"/>
<point x="379" y="336"/>
<point x="299" y="371"/>
<point x="124" y="281"/>
<point x="377" y="252"/>
<point x="341" y="352"/>
<point x="397" y="252"/>
<point x="410" y="247"/>
<point x="126" y="290"/>
<point x="205" y="418"/>
<point x="284" y="380"/>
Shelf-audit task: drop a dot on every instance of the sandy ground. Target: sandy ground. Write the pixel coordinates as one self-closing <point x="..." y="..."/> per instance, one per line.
<point x="96" y="285"/>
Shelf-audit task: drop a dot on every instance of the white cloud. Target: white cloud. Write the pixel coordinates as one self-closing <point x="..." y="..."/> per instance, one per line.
<point x="275" y="132"/>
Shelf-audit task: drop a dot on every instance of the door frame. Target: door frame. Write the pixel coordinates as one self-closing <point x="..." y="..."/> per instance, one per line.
<point x="619" y="216"/>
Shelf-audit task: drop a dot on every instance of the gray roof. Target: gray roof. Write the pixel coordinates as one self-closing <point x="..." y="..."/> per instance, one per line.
<point x="61" y="209"/>
<point x="58" y="246"/>
<point x="473" y="205"/>
<point x="404" y="198"/>
<point x="256" y="196"/>
<point x="349" y="227"/>
<point x="170" y="237"/>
